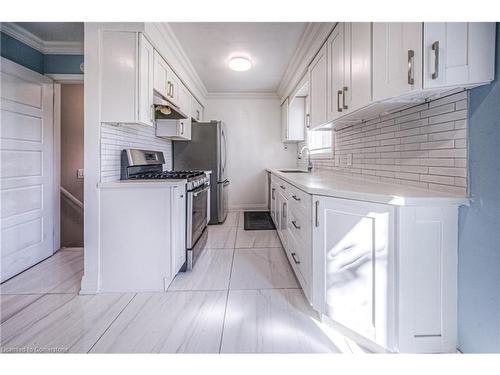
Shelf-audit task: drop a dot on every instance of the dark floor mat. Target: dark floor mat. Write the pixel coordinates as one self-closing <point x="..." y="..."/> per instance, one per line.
<point x="258" y="220"/>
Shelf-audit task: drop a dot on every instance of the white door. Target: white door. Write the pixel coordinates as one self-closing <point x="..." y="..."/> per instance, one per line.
<point x="337" y="104"/>
<point x="397" y="58"/>
<point x="352" y="247"/>
<point x="318" y="89"/>
<point x="26" y="172"/>
<point x="458" y="53"/>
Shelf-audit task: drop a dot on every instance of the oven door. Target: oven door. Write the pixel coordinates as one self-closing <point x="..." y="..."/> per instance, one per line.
<point x="197" y="204"/>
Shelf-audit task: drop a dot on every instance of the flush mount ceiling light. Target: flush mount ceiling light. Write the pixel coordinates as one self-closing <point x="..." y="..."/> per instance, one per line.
<point x="240" y="64"/>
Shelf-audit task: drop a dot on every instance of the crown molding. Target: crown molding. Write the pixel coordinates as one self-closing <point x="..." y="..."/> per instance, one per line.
<point x="45" y="47"/>
<point x="176" y="57"/>
<point x="242" y="95"/>
<point x="310" y="43"/>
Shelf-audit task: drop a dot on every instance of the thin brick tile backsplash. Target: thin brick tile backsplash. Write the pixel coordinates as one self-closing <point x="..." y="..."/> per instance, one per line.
<point x="115" y="138"/>
<point x="423" y="146"/>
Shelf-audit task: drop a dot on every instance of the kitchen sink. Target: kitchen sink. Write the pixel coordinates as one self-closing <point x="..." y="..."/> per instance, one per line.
<point x="293" y="171"/>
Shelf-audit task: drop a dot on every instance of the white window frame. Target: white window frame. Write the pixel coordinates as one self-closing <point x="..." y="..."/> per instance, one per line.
<point x="321" y="155"/>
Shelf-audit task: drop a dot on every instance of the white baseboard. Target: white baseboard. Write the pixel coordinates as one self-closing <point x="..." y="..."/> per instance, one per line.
<point x="248" y="207"/>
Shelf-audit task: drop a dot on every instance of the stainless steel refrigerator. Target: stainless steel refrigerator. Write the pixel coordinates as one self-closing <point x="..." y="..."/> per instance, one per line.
<point x="207" y="151"/>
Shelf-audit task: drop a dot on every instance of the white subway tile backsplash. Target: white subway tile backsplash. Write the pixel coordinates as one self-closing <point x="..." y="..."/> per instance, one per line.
<point x="423" y="146"/>
<point x="115" y="138"/>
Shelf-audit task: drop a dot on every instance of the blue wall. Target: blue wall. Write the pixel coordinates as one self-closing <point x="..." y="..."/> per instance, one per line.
<point x="21" y="53"/>
<point x="479" y="225"/>
<point x="29" y="57"/>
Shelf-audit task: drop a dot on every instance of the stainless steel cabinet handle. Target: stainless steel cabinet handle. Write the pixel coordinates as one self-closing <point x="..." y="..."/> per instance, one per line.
<point x="308" y="121"/>
<point x="294" y="223"/>
<point x="316" y="204"/>
<point x="182" y="128"/>
<point x="197" y="115"/>
<point x="435" y="48"/>
<point x="339" y="108"/>
<point x="296" y="198"/>
<point x="272" y="193"/>
<point x="152" y="113"/>
<point x="343" y="97"/>
<point x="411" y="55"/>
<point x="281" y="186"/>
<point x="294" y="258"/>
<point x="169" y="88"/>
<point x="284" y="210"/>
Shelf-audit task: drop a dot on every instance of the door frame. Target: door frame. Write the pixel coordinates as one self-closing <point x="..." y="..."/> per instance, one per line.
<point x="59" y="79"/>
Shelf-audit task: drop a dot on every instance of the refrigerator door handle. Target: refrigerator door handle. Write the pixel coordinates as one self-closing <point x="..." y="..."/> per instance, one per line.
<point x="225" y="150"/>
<point x="226" y="183"/>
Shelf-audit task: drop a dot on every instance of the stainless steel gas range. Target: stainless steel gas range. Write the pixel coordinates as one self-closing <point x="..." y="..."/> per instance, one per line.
<point x="148" y="165"/>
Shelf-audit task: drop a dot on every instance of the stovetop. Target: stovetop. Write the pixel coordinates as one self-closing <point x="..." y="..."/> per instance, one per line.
<point x="188" y="175"/>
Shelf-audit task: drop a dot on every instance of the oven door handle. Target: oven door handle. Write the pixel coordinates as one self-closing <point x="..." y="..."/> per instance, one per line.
<point x="225" y="183"/>
<point x="196" y="193"/>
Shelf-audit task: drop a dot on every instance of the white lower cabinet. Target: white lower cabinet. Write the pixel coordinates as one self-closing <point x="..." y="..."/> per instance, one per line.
<point x="384" y="274"/>
<point x="353" y="255"/>
<point x="142" y="241"/>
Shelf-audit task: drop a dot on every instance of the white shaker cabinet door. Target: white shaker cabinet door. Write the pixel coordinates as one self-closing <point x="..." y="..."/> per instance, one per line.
<point x="318" y="91"/>
<point x="458" y="53"/>
<point x="397" y="59"/>
<point x="160" y="74"/>
<point x="352" y="260"/>
<point x="337" y="104"/>
<point x="146" y="81"/>
<point x="358" y="67"/>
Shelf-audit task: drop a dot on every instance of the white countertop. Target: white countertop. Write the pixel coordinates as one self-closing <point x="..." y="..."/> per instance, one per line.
<point x="338" y="185"/>
<point x="141" y="183"/>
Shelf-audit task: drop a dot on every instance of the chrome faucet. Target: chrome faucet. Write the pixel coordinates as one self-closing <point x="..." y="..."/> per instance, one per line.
<point x="309" y="162"/>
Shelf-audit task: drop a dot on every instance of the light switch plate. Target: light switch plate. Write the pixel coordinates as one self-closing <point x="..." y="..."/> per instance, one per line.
<point x="79" y="173"/>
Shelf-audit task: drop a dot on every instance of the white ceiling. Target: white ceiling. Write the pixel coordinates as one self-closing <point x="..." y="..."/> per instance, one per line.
<point x="55" y="31"/>
<point x="209" y="46"/>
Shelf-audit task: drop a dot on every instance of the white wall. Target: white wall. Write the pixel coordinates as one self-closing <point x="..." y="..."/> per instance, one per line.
<point x="254" y="143"/>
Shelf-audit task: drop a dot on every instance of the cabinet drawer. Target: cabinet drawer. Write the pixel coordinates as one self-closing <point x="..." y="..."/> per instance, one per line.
<point x="299" y="225"/>
<point x="300" y="258"/>
<point x="300" y="199"/>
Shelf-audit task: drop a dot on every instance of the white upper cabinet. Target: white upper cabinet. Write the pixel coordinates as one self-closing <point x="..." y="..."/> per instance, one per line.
<point x="397" y="59"/>
<point x="349" y="68"/>
<point x="126" y="88"/>
<point x="458" y="53"/>
<point x="318" y="89"/>
<point x="161" y="73"/>
<point x="335" y="77"/>
<point x="166" y="82"/>
<point x="196" y="110"/>
<point x="357" y="65"/>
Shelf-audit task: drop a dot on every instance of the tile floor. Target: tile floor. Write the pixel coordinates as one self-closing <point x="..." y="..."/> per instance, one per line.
<point x="242" y="297"/>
